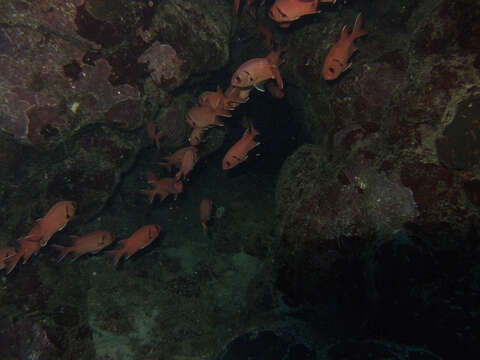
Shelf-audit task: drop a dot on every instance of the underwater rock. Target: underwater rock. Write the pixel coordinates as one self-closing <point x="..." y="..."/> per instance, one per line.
<point x="46" y="92"/>
<point x="375" y="349"/>
<point x="322" y="201"/>
<point x="198" y="30"/>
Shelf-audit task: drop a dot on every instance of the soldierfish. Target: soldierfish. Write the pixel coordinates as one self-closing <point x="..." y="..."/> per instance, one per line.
<point x="205" y="116"/>
<point x="336" y="61"/>
<point x="93" y="242"/>
<point x="137" y="241"/>
<point x="287" y="11"/>
<point x="238" y="153"/>
<point x="162" y="187"/>
<point x="255" y="72"/>
<point x="56" y="219"/>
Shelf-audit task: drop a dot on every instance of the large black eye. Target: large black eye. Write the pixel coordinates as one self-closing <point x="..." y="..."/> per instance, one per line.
<point x="238" y="79"/>
<point x="331" y="70"/>
<point x="227" y="162"/>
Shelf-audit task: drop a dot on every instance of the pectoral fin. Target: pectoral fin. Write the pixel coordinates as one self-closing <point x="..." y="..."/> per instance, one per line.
<point x="259" y="87"/>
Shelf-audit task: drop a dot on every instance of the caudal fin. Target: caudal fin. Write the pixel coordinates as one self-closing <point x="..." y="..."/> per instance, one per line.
<point x="357" y="27"/>
<point x="117" y="255"/>
<point x="63" y="251"/>
<point x="12" y="261"/>
<point x="150" y="194"/>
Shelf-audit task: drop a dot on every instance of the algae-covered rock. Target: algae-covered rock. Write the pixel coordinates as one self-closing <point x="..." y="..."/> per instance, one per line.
<point x="199" y="31"/>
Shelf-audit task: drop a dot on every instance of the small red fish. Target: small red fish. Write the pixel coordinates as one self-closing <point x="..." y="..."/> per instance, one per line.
<point x="153" y="135"/>
<point x="190" y="158"/>
<point x="238" y="153"/>
<point x="213" y="99"/>
<point x="137" y="241"/>
<point x="205" y="116"/>
<point x="6" y="253"/>
<point x="175" y="160"/>
<point x="93" y="242"/>
<point x="162" y="187"/>
<point x="206" y="206"/>
<point x="336" y="61"/>
<point x="287" y="11"/>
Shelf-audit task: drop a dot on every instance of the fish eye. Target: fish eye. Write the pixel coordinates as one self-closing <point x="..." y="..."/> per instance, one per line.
<point x="227" y="162"/>
<point x="331" y="70"/>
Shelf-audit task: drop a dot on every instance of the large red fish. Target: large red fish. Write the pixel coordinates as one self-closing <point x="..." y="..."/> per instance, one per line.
<point x="93" y="242"/>
<point x="137" y="241"/>
<point x="336" y="61"/>
<point x="54" y="220"/>
<point x="287" y="11"/>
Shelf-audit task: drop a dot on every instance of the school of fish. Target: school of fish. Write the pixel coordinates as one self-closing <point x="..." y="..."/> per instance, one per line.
<point x="258" y="73"/>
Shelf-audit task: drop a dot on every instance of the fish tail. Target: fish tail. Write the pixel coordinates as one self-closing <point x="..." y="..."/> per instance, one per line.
<point x="64" y="250"/>
<point x="151" y="177"/>
<point x="357" y="27"/>
<point x="13" y="261"/>
<point x="117" y="255"/>
<point x="150" y="194"/>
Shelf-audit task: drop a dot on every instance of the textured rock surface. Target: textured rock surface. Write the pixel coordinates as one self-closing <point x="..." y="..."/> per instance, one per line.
<point x="200" y="30"/>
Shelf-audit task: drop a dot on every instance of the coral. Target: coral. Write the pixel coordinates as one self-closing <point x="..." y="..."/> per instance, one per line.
<point x="43" y="81"/>
<point x="167" y="69"/>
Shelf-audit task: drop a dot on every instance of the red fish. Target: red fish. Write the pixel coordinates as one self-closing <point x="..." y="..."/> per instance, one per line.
<point x="137" y="241"/>
<point x="55" y="220"/>
<point x="205" y="116"/>
<point x="189" y="160"/>
<point x="336" y="61"/>
<point x="206" y="206"/>
<point x="153" y="135"/>
<point x="287" y="11"/>
<point x="6" y="253"/>
<point x="93" y="242"/>
<point x="213" y="99"/>
<point x="238" y="153"/>
<point x="175" y="160"/>
<point x="162" y="187"/>
<point x="255" y="72"/>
